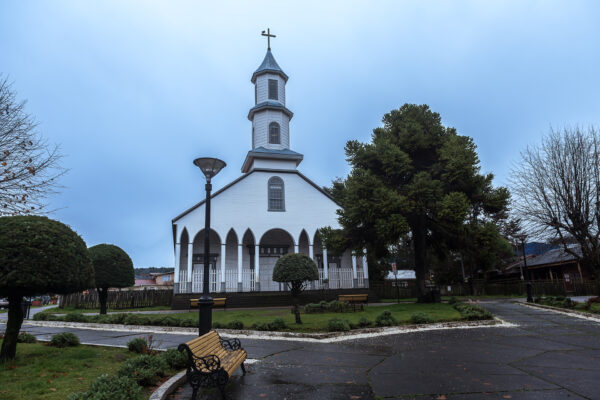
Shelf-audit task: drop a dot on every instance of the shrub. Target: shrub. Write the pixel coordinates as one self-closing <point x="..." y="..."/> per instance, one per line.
<point x="145" y="369"/>
<point x="338" y="325"/>
<point x="338" y="306"/>
<point x="313" y="308"/>
<point x="217" y="325"/>
<point x="25" y="337"/>
<point x="75" y="317"/>
<point x="421" y="318"/>
<point x="235" y="325"/>
<point x="471" y="312"/>
<point x="581" y="306"/>
<point x="277" y="324"/>
<point x="452" y="300"/>
<point x="110" y="388"/>
<point x="65" y="339"/>
<point x="138" y="345"/>
<point x="595" y="308"/>
<point x="175" y="359"/>
<point x="260" y="326"/>
<point x="364" y="322"/>
<point x="189" y="323"/>
<point x="385" y="319"/>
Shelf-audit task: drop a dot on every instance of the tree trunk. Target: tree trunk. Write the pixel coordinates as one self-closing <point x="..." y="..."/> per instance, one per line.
<point x="419" y="246"/>
<point x="296" y="289"/>
<point x="13" y="326"/>
<point x="102" y="294"/>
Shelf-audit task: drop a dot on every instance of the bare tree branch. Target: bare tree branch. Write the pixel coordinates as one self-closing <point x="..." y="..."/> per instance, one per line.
<point x="29" y="166"/>
<point x="557" y="191"/>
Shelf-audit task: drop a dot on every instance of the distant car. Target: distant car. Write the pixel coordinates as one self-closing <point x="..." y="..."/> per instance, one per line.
<point x="3" y="304"/>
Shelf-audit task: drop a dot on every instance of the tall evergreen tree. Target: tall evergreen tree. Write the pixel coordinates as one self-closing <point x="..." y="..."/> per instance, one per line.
<point x="415" y="177"/>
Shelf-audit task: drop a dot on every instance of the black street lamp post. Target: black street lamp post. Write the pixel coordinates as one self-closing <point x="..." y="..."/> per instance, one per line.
<point x="210" y="167"/>
<point x="522" y="238"/>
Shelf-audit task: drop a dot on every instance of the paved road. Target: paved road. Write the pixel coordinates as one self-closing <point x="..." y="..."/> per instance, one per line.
<point x="550" y="356"/>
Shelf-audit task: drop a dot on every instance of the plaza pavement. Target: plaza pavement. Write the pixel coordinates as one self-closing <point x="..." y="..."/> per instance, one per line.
<point x="548" y="356"/>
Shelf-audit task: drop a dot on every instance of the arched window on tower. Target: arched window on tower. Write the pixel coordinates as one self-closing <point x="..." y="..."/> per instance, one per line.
<point x="276" y="194"/>
<point x="274" y="134"/>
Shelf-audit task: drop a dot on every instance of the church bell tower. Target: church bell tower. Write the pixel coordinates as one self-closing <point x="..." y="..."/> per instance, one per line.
<point x="270" y="117"/>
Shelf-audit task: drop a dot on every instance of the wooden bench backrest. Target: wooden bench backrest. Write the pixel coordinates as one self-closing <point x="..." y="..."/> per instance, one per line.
<point x="219" y="301"/>
<point x="353" y="297"/>
<point x="207" y="344"/>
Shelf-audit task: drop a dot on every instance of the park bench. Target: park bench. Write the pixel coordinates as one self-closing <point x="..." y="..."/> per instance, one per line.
<point x="354" y="299"/>
<point x="212" y="360"/>
<point x="218" y="302"/>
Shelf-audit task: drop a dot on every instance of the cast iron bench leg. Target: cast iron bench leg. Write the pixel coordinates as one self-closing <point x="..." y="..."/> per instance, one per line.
<point x="243" y="369"/>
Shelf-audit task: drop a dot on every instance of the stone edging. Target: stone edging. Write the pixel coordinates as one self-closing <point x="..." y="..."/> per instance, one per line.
<point x="169" y="386"/>
<point x="328" y="337"/>
<point x="572" y="313"/>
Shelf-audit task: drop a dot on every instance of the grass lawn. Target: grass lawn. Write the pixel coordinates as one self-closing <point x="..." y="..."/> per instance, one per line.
<point x="318" y="322"/>
<point x="44" y="372"/>
<point x="72" y="310"/>
<point x="446" y="298"/>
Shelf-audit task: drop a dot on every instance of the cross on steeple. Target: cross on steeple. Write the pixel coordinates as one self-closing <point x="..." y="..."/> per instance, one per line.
<point x="269" y="36"/>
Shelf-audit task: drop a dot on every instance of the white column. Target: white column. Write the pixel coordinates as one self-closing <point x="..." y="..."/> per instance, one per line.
<point x="189" y="266"/>
<point x="365" y="268"/>
<point x="311" y="252"/>
<point x="296" y="248"/>
<point x="257" y="267"/>
<point x="354" y="274"/>
<point x="177" y="261"/>
<point x="240" y="268"/>
<point x="223" y="256"/>
<point x="325" y="268"/>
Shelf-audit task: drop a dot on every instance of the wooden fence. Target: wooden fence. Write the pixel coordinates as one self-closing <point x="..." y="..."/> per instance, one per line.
<point x="118" y="300"/>
<point x="388" y="289"/>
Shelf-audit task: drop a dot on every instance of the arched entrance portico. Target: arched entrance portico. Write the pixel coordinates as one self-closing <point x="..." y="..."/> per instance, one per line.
<point x="213" y="260"/>
<point x="273" y="244"/>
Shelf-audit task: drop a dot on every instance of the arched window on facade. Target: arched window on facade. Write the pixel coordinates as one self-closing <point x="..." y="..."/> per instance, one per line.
<point x="276" y="194"/>
<point x="274" y="133"/>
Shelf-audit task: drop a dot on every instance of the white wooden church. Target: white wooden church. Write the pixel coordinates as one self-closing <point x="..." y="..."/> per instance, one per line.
<point x="270" y="210"/>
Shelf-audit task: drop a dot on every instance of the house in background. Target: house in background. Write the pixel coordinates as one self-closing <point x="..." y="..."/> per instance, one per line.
<point x="154" y="281"/>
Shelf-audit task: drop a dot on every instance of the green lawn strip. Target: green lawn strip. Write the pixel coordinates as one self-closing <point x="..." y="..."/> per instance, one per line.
<point x="44" y="372"/>
<point x="73" y="310"/>
<point x="446" y="298"/>
<point x="318" y="322"/>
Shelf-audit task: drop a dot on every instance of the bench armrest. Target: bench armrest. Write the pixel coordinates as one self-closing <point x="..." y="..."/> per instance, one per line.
<point x="231" y="344"/>
<point x="209" y="363"/>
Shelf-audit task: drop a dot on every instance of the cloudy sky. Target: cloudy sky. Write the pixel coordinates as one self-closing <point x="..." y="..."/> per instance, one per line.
<point x="133" y="91"/>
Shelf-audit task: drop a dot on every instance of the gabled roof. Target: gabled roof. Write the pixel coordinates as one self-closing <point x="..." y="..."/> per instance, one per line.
<point x="269" y="65"/>
<point x="555" y="256"/>
<point x="279" y="171"/>
<point x="269" y="105"/>
<point x="261" y="152"/>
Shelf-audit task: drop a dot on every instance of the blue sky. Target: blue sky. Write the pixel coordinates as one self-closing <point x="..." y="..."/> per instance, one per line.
<point x="133" y="91"/>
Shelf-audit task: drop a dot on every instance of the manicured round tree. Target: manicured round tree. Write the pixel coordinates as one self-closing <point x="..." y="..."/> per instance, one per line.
<point x="295" y="270"/>
<point x="113" y="268"/>
<point x="37" y="256"/>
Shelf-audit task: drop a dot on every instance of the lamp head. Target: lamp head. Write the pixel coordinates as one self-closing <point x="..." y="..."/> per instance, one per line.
<point x="209" y="166"/>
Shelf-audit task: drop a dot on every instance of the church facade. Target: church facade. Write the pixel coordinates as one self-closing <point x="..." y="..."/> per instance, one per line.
<point x="272" y="209"/>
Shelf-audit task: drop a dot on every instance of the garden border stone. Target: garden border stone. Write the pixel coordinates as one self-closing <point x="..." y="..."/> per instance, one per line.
<point x="326" y="337"/>
<point x="574" y="313"/>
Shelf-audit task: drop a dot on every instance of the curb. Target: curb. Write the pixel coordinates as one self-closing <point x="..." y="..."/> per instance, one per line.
<point x="169" y="386"/>
<point x="573" y="313"/>
<point x="328" y="337"/>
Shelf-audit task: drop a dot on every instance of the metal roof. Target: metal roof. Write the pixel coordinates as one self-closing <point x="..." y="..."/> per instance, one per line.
<point x="269" y="65"/>
<point x="556" y="256"/>
<point x="261" y="152"/>
<point x="269" y="105"/>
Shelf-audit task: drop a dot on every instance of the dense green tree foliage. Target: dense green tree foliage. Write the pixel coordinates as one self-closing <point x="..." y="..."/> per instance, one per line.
<point x="421" y="180"/>
<point x="38" y="255"/>
<point x="113" y="269"/>
<point x="295" y="270"/>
